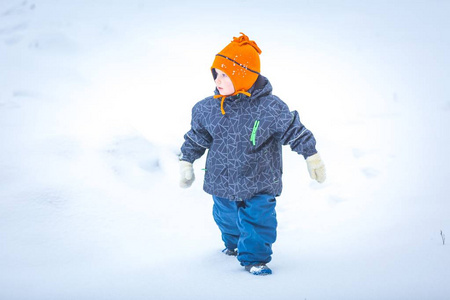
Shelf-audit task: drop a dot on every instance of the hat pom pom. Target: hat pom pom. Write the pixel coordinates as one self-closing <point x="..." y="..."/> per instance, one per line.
<point x="244" y="40"/>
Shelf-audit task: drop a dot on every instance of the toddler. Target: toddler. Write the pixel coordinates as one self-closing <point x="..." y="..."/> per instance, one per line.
<point x="244" y="127"/>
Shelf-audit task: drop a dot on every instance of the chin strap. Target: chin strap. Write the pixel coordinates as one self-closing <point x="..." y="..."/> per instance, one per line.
<point x="223" y="98"/>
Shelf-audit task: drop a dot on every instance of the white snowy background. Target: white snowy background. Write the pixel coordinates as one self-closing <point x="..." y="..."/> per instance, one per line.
<point x="95" y="97"/>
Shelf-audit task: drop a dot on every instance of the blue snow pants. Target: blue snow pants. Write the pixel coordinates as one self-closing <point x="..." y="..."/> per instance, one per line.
<point x="248" y="225"/>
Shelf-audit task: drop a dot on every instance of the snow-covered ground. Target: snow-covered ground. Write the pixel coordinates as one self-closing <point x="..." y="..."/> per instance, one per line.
<point x="95" y="97"/>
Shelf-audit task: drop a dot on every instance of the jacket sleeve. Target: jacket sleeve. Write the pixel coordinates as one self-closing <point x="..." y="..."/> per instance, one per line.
<point x="196" y="140"/>
<point x="293" y="133"/>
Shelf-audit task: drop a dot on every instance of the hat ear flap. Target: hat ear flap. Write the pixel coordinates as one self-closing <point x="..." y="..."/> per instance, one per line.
<point x="214" y="73"/>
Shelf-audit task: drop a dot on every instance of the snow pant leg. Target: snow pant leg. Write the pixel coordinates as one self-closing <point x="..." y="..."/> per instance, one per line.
<point x="257" y="223"/>
<point x="225" y="214"/>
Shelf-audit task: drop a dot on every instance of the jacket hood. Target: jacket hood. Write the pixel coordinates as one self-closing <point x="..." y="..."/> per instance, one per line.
<point x="262" y="87"/>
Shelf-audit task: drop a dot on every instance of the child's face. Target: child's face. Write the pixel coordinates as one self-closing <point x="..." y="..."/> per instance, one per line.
<point x="223" y="83"/>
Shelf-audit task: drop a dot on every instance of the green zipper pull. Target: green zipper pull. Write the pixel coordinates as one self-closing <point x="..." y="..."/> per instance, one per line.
<point x="253" y="136"/>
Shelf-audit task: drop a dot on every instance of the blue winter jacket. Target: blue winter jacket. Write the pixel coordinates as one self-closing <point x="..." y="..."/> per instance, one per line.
<point x="244" y="145"/>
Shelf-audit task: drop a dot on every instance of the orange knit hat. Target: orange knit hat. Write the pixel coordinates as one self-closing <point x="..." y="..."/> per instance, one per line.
<point x="240" y="61"/>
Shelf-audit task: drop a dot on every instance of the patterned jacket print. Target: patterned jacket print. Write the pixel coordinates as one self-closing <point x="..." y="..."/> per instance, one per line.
<point x="244" y="145"/>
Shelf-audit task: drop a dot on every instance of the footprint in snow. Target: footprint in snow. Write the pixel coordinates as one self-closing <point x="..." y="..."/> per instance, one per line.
<point x="357" y="153"/>
<point x="133" y="151"/>
<point x="370" y="172"/>
<point x="335" y="199"/>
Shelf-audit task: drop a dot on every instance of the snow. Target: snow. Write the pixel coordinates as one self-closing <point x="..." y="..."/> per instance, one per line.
<point x="95" y="97"/>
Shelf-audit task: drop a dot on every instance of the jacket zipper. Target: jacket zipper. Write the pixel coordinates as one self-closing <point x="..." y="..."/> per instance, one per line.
<point x="253" y="136"/>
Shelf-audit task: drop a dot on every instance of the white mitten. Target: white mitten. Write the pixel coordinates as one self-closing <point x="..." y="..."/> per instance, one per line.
<point x="316" y="167"/>
<point x="187" y="176"/>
